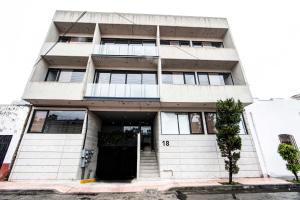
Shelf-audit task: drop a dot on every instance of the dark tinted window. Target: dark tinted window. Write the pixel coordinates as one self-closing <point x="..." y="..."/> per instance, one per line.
<point x="64" y="122"/>
<point x="227" y="79"/>
<point x="196" y="123"/>
<point x="197" y="44"/>
<point x="217" y="44"/>
<point x="184" y="43"/>
<point x="52" y="75"/>
<point x="211" y="119"/>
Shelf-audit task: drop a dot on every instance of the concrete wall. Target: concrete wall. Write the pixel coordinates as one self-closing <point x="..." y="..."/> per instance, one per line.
<point x="204" y="94"/>
<point x="48" y="156"/>
<point x="267" y="120"/>
<point x="91" y="143"/>
<point x="12" y="122"/>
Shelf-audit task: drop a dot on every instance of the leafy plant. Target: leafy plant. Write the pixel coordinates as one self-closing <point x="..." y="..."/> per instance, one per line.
<point x="228" y="118"/>
<point x="291" y="155"/>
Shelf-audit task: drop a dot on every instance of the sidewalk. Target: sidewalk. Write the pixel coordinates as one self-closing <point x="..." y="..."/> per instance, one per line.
<point x="135" y="186"/>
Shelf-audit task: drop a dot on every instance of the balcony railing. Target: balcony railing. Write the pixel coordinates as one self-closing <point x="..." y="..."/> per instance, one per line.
<point x="125" y="50"/>
<point x="122" y="90"/>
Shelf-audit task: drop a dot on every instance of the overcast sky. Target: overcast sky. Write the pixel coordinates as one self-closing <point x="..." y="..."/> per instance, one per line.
<point x="266" y="34"/>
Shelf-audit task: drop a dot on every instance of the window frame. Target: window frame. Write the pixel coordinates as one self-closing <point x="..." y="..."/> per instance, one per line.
<point x="59" y="72"/>
<point x="43" y="129"/>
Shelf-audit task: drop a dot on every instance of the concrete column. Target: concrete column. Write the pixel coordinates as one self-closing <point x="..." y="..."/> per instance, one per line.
<point x="97" y="35"/>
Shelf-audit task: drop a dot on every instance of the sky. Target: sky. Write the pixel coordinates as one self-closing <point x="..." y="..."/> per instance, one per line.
<point x="266" y="34"/>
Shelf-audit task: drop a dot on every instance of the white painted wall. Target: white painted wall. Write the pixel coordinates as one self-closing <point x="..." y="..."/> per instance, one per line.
<point x="12" y="122"/>
<point x="268" y="119"/>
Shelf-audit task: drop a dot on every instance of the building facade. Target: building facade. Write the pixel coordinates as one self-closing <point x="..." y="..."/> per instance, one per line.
<point x="137" y="93"/>
<point x="13" y="118"/>
<point x="273" y="122"/>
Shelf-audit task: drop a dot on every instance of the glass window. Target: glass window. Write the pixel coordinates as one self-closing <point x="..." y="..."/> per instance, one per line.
<point x="52" y="75"/>
<point x="64" y="39"/>
<point x="146" y="130"/>
<point x="64" y="122"/>
<point x="197" y="44"/>
<point x="131" y="129"/>
<point x="217" y="44"/>
<point x="196" y="123"/>
<point x="167" y="78"/>
<point x="149" y="78"/>
<point x="206" y="44"/>
<point x="136" y="42"/>
<point x="178" y="78"/>
<point x="149" y="42"/>
<point x="203" y="78"/>
<point x="164" y="42"/>
<point x="77" y="76"/>
<point x="118" y="78"/>
<point x="37" y="122"/>
<point x="189" y="78"/>
<point x="227" y="79"/>
<point x="107" y="41"/>
<point x="174" y="42"/>
<point x="243" y="130"/>
<point x="184" y="43"/>
<point x="65" y="76"/>
<point x="211" y="119"/>
<point x="184" y="125"/>
<point x="134" y="78"/>
<point x="169" y="123"/>
<point x="216" y="79"/>
<point x="103" y="78"/>
<point x="81" y="39"/>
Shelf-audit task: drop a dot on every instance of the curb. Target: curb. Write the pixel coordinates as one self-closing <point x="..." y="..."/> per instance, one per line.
<point x="237" y="189"/>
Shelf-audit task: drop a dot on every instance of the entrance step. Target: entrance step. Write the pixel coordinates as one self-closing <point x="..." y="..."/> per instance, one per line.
<point x="148" y="165"/>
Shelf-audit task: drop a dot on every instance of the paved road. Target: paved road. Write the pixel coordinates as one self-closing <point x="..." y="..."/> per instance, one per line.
<point x="153" y="195"/>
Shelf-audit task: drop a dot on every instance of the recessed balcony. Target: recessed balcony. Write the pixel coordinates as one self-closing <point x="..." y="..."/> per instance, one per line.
<point x="83" y="49"/>
<point x="125" y="50"/>
<point x="122" y="91"/>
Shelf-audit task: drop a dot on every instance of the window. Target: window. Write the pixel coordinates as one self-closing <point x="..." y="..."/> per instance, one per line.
<point x="211" y="119"/>
<point x="118" y="78"/>
<point x="65" y="75"/>
<point x="189" y="78"/>
<point x="167" y="78"/>
<point x="169" y="123"/>
<point x="130" y="42"/>
<point x="243" y="128"/>
<point x="196" y="123"/>
<point x="178" y="78"/>
<point x="69" y="39"/>
<point x="164" y="42"/>
<point x="227" y="79"/>
<point x="134" y="78"/>
<point x="149" y="78"/>
<point x="125" y="77"/>
<point x="203" y="79"/>
<point x="63" y="122"/>
<point x="184" y="43"/>
<point x="38" y="120"/>
<point x="197" y="44"/>
<point x="52" y="75"/>
<point x="183" y="124"/>
<point x="217" y="44"/>
<point x="216" y="79"/>
<point x="288" y="139"/>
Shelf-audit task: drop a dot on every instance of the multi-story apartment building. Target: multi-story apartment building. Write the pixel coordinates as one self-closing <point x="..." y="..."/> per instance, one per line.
<point x="137" y="90"/>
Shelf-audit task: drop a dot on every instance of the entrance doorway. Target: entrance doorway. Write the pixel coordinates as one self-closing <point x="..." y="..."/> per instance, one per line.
<point x="117" y="143"/>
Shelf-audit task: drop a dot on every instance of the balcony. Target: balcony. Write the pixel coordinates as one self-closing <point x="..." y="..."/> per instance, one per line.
<point x="204" y="94"/>
<point x="125" y="50"/>
<point x="135" y="91"/>
<point x="53" y="91"/>
<point x="223" y="57"/>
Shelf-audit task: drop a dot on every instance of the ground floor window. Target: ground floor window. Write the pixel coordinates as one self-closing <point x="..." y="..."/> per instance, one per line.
<point x="192" y="123"/>
<point x="57" y="121"/>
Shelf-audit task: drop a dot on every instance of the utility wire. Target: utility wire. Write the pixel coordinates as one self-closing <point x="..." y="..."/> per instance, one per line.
<point x="68" y="29"/>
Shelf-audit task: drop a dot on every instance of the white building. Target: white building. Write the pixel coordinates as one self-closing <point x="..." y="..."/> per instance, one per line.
<point x="138" y="90"/>
<point x="272" y="122"/>
<point x="12" y="122"/>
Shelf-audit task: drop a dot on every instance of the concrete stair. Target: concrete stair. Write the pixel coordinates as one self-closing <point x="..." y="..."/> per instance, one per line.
<point x="148" y="165"/>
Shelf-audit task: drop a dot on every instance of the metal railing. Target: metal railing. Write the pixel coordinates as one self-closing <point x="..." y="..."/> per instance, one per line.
<point x="122" y="90"/>
<point x="125" y="50"/>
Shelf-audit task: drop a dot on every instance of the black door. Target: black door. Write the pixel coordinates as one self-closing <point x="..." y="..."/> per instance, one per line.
<point x="4" y="144"/>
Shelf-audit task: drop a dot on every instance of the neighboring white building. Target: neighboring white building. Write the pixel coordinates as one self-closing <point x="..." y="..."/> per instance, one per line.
<point x="138" y="90"/>
<point x="268" y="119"/>
<point x="12" y="121"/>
